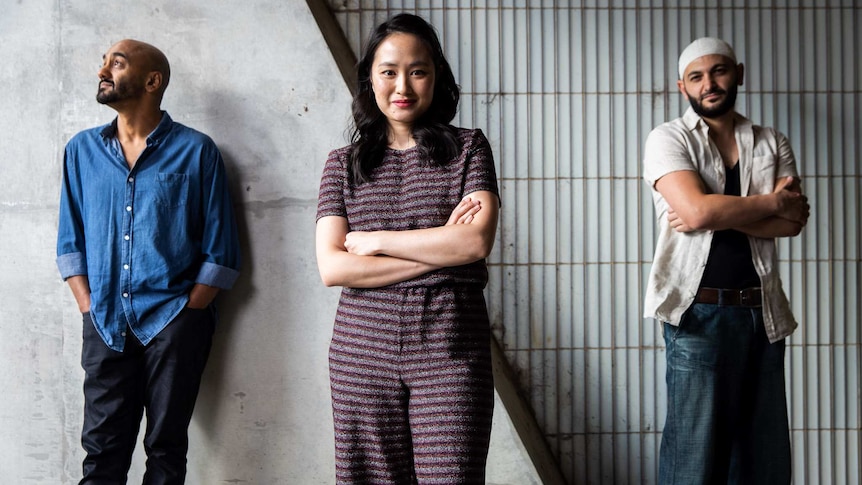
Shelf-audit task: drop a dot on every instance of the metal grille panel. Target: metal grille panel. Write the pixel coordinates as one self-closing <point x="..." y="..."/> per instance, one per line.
<point x="566" y="92"/>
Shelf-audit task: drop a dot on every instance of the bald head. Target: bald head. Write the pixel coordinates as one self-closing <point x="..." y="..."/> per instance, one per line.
<point x="149" y="58"/>
<point x="133" y="78"/>
<point x="145" y="68"/>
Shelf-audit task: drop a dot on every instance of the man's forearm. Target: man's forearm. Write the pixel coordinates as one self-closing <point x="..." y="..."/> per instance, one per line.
<point x="202" y="295"/>
<point x="771" y="227"/>
<point x="80" y="287"/>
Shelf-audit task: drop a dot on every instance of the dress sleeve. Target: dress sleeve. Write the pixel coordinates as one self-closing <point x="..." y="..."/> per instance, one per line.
<point x="330" y="200"/>
<point x="480" y="171"/>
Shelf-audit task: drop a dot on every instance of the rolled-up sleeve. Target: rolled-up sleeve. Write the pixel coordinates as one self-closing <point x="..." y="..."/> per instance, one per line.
<point x="218" y="276"/>
<point x="71" y="264"/>
<point x="220" y="240"/>
<point x="71" y="252"/>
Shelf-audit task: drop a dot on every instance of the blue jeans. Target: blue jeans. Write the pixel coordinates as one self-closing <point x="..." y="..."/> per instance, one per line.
<point x="726" y="407"/>
<point x="161" y="378"/>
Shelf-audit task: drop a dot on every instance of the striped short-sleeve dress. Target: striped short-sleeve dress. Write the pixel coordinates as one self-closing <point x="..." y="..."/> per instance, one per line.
<point x="410" y="368"/>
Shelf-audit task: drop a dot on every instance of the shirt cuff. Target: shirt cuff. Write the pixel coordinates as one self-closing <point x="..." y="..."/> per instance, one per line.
<point x="71" y="264"/>
<point x="212" y="274"/>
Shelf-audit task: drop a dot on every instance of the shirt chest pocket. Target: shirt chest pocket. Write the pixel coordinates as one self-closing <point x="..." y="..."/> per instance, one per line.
<point x="172" y="189"/>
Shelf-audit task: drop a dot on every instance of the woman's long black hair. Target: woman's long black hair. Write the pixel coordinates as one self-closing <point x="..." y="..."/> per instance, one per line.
<point x="434" y="135"/>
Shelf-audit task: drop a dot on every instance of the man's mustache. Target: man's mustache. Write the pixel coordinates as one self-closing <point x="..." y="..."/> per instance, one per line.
<point x="714" y="91"/>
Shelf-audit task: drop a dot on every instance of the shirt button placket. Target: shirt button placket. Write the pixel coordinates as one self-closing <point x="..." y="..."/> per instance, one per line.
<point x="126" y="279"/>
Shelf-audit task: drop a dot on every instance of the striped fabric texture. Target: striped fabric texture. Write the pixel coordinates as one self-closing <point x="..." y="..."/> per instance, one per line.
<point x="409" y="193"/>
<point x="410" y="367"/>
<point x="412" y="390"/>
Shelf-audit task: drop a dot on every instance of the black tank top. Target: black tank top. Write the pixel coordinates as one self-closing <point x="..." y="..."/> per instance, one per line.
<point x="730" y="264"/>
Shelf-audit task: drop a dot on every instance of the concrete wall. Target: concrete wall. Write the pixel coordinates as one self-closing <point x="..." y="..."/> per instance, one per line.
<point x="258" y="78"/>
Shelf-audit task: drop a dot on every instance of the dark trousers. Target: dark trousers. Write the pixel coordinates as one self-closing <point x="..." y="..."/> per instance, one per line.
<point x="162" y="379"/>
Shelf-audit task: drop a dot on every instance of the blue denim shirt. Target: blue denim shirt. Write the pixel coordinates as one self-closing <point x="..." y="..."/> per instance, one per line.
<point x="145" y="236"/>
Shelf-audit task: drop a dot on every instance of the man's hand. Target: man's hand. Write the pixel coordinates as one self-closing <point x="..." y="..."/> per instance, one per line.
<point x="788" y="183"/>
<point x="792" y="205"/>
<point x="676" y="223"/>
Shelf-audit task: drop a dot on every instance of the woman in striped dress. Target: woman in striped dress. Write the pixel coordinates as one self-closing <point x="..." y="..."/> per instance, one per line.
<point x="406" y="216"/>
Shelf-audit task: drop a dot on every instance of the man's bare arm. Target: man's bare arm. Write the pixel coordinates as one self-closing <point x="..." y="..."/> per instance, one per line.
<point x="775" y="226"/>
<point x="80" y="287"/>
<point x="692" y="209"/>
<point x="201" y="296"/>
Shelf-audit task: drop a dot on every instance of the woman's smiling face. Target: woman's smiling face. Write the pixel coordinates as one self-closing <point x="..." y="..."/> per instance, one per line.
<point x="402" y="77"/>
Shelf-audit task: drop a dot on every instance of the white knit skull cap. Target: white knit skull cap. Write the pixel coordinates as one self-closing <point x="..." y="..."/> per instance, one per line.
<point x="703" y="47"/>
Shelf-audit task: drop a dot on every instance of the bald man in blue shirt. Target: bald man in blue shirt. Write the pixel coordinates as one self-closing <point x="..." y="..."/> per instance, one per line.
<point x="147" y="238"/>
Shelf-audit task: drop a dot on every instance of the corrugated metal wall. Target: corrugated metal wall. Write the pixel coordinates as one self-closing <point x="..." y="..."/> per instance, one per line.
<point x="567" y="92"/>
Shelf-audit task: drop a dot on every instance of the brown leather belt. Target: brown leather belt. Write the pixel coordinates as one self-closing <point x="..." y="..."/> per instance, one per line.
<point x="749" y="297"/>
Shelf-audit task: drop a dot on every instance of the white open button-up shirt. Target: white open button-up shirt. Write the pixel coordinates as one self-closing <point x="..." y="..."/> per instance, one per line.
<point x="680" y="258"/>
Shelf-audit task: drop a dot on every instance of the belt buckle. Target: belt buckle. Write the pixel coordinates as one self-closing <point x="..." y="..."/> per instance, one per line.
<point x="746" y="297"/>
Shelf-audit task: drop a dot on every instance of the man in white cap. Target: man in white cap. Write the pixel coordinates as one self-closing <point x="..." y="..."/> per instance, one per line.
<point x="723" y="190"/>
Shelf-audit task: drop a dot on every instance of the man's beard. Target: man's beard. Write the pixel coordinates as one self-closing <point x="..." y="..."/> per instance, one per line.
<point x="118" y="92"/>
<point x="718" y="110"/>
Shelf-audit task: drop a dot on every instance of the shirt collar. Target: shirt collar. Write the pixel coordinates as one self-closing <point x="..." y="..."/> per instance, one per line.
<point x="110" y="130"/>
<point x="693" y="121"/>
